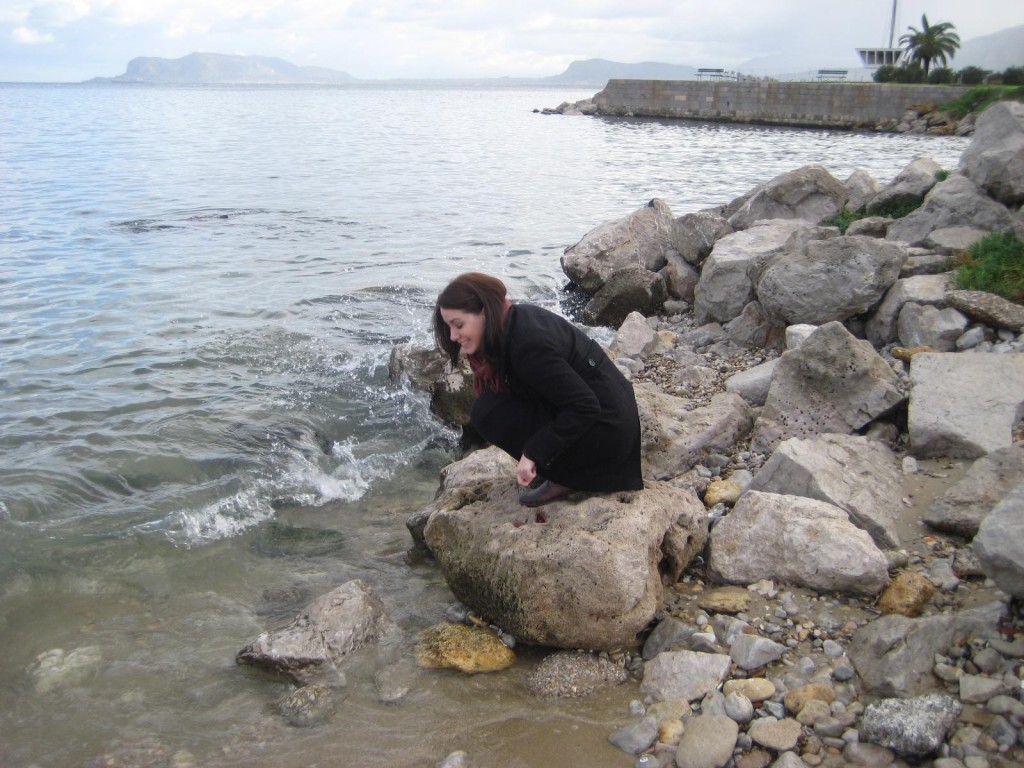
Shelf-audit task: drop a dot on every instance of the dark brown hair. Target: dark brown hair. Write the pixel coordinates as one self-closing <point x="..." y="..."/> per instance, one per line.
<point x="472" y="292"/>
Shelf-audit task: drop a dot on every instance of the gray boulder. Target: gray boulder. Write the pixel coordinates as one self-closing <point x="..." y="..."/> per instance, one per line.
<point x="428" y="370"/>
<point x="827" y="280"/>
<point x="870" y="226"/>
<point x="861" y="188"/>
<point x="915" y="727"/>
<point x="963" y="406"/>
<point x="686" y="675"/>
<point x="810" y="193"/>
<point x="635" y="337"/>
<point x="707" y="742"/>
<point x="630" y="289"/>
<point x="642" y="239"/>
<point x="895" y="655"/>
<point x="754" y="327"/>
<point x="999" y="544"/>
<point x="311" y="648"/>
<point x="955" y="202"/>
<point x="988" y="308"/>
<point x="753" y="384"/>
<point x="858" y="475"/>
<point x="675" y="437"/>
<point x="924" y="325"/>
<point x="952" y="240"/>
<point x="680" y="277"/>
<point x="909" y="187"/>
<point x="697" y="233"/>
<point x="963" y="507"/>
<point x="797" y="541"/>
<point x="584" y="573"/>
<point x="726" y="286"/>
<point x="994" y="160"/>
<point x="920" y="289"/>
<point x="833" y="382"/>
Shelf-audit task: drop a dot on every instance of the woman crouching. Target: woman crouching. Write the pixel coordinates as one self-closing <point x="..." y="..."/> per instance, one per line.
<point x="547" y="394"/>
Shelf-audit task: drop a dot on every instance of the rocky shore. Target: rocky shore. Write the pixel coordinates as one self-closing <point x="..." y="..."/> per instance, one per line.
<point x="826" y="566"/>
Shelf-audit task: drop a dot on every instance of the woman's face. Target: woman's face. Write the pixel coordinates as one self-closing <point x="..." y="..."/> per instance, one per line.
<point x="465" y="328"/>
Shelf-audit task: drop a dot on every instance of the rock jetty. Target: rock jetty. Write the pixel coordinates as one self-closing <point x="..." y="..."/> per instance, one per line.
<point x="783" y="592"/>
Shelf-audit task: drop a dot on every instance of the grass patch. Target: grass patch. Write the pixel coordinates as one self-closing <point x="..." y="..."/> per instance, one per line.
<point x="977" y="99"/>
<point x="994" y="264"/>
<point x="848" y="216"/>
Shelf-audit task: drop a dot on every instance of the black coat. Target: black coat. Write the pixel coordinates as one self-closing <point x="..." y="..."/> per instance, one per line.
<point x="570" y="409"/>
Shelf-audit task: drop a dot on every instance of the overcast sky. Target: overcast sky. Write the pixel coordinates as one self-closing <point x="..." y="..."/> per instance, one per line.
<point x="74" y="40"/>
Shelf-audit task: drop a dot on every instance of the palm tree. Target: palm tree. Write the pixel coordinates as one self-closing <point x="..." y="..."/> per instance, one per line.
<point x="931" y="43"/>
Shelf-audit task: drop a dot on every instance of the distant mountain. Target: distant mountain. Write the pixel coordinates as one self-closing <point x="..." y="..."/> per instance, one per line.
<point x="211" y="68"/>
<point x="600" y="71"/>
<point x="995" y="52"/>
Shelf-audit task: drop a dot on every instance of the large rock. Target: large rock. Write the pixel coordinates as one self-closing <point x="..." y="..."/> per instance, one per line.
<point x="861" y="187"/>
<point x="630" y="289"/>
<point x="919" y="289"/>
<point x="963" y="406"/>
<point x="994" y="160"/>
<point x="686" y="675"/>
<point x="675" y="439"/>
<point x="680" y="277"/>
<point x="858" y="475"/>
<point x="810" y="193"/>
<point x="827" y="280"/>
<point x="635" y="337"/>
<point x="428" y="370"/>
<point x="311" y="648"/>
<point x="642" y="239"/>
<point x="697" y="233"/>
<point x="754" y="327"/>
<point x="895" y="655"/>
<point x="955" y="202"/>
<point x="922" y="325"/>
<point x="914" y="728"/>
<point x="988" y="308"/>
<point x="797" y="541"/>
<point x="587" y="578"/>
<point x="909" y="187"/>
<point x="753" y="383"/>
<point x="833" y="382"/>
<point x="962" y="508"/>
<point x="1000" y="543"/>
<point x="726" y="285"/>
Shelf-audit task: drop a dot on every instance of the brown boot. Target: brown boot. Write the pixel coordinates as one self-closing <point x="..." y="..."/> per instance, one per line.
<point x="547" y="493"/>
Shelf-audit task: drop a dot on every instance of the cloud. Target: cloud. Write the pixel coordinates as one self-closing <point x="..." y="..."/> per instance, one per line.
<point x="26" y="36"/>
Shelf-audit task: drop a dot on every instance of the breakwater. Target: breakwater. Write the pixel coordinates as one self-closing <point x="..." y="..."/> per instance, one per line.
<point x="820" y="105"/>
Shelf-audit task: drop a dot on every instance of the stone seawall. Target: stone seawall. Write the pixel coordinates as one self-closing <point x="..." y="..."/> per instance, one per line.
<point x="821" y="105"/>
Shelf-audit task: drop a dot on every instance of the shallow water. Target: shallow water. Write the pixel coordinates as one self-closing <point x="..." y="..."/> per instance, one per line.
<point x="199" y="291"/>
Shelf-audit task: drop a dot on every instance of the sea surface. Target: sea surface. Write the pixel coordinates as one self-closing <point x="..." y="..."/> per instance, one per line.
<point x="200" y="289"/>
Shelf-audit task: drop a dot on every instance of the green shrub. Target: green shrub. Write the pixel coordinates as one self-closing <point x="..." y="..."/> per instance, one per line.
<point x="994" y="264"/>
<point x="979" y="98"/>
<point x="885" y="74"/>
<point x="972" y="75"/>
<point x="1013" y="76"/>
<point x="846" y="218"/>
<point x="941" y="175"/>
<point x="941" y="76"/>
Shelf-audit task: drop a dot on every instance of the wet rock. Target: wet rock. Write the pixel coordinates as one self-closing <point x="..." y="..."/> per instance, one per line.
<point x="963" y="406"/>
<point x="796" y="541"/>
<point x="751" y="652"/>
<point x="574" y="674"/>
<point x="627" y="290"/>
<point x="725" y="600"/>
<point x="464" y="648"/>
<point x="428" y="370"/>
<point x="313" y="645"/>
<point x="683" y="675"/>
<point x="707" y="742"/>
<point x="669" y="634"/>
<point x="308" y="706"/>
<point x="56" y="669"/>
<point x="915" y="727"/>
<point x="906" y="595"/>
<point x="636" y="737"/>
<point x="1000" y="543"/>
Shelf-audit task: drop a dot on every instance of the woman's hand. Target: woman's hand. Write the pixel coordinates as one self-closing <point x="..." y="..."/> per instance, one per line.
<point x="526" y="471"/>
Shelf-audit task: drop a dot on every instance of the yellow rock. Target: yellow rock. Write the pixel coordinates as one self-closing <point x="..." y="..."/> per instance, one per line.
<point x="721" y="491"/>
<point x="670" y="731"/>
<point x="461" y="647"/>
<point x="905" y="353"/>
<point x="725" y="600"/>
<point x="798" y="697"/>
<point x="757" y="689"/>
<point x="906" y="595"/>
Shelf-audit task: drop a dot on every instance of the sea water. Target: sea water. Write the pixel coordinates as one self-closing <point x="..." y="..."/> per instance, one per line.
<point x="200" y="288"/>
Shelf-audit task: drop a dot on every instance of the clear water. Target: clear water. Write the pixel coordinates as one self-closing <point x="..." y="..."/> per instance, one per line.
<point x="199" y="291"/>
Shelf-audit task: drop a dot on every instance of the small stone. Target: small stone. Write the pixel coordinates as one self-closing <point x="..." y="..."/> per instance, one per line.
<point x="308" y="706"/>
<point x="907" y="595"/>
<point x="797" y="698"/>
<point x="751" y="651"/>
<point x="975" y="689"/>
<point x="739" y="708"/>
<point x="573" y="674"/>
<point x="813" y="712"/>
<point x="721" y="492"/>
<point x="729" y="600"/>
<point x="708" y="742"/>
<point x="465" y="648"/>
<point x="636" y="737"/>
<point x="778" y="735"/>
<point x="756" y="689"/>
<point x="670" y="731"/>
<point x="856" y="753"/>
